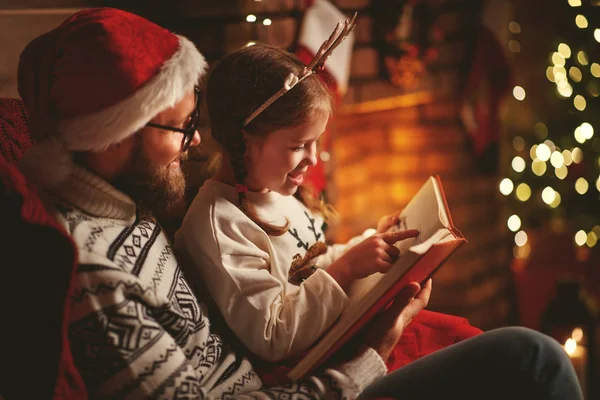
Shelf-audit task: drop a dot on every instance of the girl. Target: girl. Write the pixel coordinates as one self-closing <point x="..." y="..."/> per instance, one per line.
<point x="253" y="232"/>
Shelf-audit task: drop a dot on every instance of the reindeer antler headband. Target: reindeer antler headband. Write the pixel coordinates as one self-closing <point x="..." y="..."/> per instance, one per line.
<point x="341" y="31"/>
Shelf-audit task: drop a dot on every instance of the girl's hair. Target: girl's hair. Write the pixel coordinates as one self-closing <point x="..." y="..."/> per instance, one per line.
<point x="241" y="82"/>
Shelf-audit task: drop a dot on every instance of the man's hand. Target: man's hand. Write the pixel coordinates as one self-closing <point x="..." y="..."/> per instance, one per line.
<point x="385" y="331"/>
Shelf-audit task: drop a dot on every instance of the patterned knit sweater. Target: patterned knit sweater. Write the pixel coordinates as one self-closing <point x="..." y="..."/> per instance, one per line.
<point x="136" y="329"/>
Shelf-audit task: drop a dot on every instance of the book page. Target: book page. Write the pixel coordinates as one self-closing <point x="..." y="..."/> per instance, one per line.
<point x="423" y="213"/>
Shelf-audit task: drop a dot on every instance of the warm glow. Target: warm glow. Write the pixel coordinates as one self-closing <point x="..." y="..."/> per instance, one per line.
<point x="570" y="346"/>
<point x="561" y="172"/>
<point x="580" y="238"/>
<point x="267" y="22"/>
<point x="565" y="91"/>
<point x="575" y="74"/>
<point x="251" y="18"/>
<point x="538" y="167"/>
<point x="598" y="184"/>
<point x="595" y="70"/>
<point x="548" y="195"/>
<point x="582" y="57"/>
<point x="581" y="186"/>
<point x="514" y="223"/>
<point x="521" y="238"/>
<point x="250" y="44"/>
<point x="592" y="239"/>
<point x="543" y="152"/>
<point x="560" y="73"/>
<point x="581" y="21"/>
<point x="577" y="334"/>
<point x="557" y="160"/>
<point x="519" y="93"/>
<point x="522" y="252"/>
<point x="506" y="186"/>
<point x="325" y="156"/>
<point x="558" y="59"/>
<point x="597" y="35"/>
<point x="518" y="143"/>
<point x="518" y="164"/>
<point x="523" y="192"/>
<point x="575" y="3"/>
<point x="514" y="27"/>
<point x="577" y="155"/>
<point x="579" y="102"/>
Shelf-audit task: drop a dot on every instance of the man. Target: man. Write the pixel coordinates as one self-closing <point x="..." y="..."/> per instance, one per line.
<point x="112" y="99"/>
<point x="113" y="109"/>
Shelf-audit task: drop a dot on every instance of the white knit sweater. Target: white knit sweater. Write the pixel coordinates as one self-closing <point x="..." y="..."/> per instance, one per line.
<point x="137" y="330"/>
<point x="247" y="272"/>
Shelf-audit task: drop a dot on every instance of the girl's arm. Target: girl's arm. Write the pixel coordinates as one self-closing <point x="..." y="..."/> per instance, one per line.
<point x="272" y="318"/>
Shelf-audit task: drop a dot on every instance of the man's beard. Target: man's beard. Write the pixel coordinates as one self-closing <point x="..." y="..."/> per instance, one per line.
<point x="156" y="188"/>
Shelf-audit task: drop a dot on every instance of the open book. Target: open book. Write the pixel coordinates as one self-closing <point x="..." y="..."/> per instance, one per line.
<point x="419" y="258"/>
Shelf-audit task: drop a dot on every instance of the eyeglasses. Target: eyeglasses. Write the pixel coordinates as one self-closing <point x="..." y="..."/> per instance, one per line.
<point x="191" y="127"/>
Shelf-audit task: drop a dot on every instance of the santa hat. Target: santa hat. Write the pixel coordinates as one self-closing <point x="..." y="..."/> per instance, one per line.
<point x="95" y="80"/>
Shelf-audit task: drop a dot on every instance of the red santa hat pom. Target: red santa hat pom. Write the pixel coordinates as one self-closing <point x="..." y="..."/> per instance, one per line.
<point x="95" y="80"/>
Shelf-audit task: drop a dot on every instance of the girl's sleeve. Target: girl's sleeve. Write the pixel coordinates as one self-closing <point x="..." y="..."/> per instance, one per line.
<point x="335" y="251"/>
<point x="272" y="318"/>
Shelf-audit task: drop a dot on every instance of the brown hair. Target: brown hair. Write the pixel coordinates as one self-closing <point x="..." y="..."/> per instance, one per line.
<point x="239" y="83"/>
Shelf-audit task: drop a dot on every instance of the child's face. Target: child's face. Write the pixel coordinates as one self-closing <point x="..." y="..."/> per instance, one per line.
<point x="279" y="161"/>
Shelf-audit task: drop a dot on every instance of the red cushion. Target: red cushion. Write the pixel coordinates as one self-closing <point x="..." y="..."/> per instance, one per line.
<point x="38" y="260"/>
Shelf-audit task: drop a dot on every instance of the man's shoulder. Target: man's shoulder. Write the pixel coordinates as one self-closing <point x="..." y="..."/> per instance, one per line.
<point x="112" y="242"/>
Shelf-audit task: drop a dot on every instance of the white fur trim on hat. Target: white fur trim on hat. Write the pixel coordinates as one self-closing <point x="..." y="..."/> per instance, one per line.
<point x="47" y="163"/>
<point x="98" y="130"/>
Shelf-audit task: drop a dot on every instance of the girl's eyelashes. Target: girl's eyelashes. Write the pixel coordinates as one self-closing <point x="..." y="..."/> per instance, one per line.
<point x="298" y="148"/>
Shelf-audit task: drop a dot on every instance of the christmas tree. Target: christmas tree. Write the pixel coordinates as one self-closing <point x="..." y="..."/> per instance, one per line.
<point x="553" y="173"/>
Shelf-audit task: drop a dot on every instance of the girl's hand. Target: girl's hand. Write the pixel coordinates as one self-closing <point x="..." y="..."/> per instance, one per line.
<point x="376" y="253"/>
<point x="385" y="331"/>
<point x="386" y="222"/>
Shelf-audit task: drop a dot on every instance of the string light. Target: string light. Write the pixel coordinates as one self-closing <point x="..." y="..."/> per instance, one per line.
<point x="587" y="130"/>
<point x="595" y="70"/>
<point x="548" y="195"/>
<point x="579" y="102"/>
<point x="561" y="172"/>
<point x="565" y="91"/>
<point x="550" y="74"/>
<point x="581" y="186"/>
<point x="267" y="22"/>
<point x="598" y="184"/>
<point x="557" y="199"/>
<point x="532" y="151"/>
<point x="538" y="167"/>
<point x="523" y="192"/>
<point x="514" y="27"/>
<point x="597" y="35"/>
<point x="575" y="3"/>
<point x="575" y="74"/>
<point x="592" y="239"/>
<point x="543" y="152"/>
<point x="577" y="155"/>
<point x="518" y="143"/>
<point x="250" y="44"/>
<point x="580" y="238"/>
<point x="557" y="160"/>
<point x="514" y="46"/>
<point x="579" y="135"/>
<point x="564" y="50"/>
<point x="518" y="164"/>
<point x="251" y="18"/>
<point x="581" y="21"/>
<point x="521" y="238"/>
<point x="568" y="157"/>
<point x="519" y="93"/>
<point x="514" y="223"/>
<point x="506" y="186"/>
<point x="582" y="58"/>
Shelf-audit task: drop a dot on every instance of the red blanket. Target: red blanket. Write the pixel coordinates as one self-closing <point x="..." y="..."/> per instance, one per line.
<point x="426" y="333"/>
